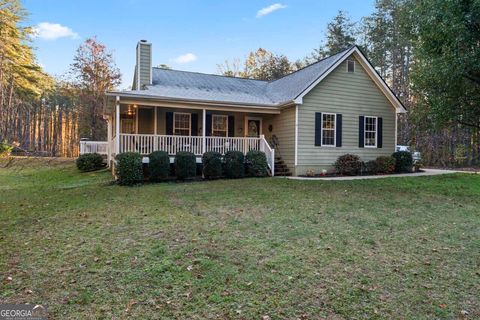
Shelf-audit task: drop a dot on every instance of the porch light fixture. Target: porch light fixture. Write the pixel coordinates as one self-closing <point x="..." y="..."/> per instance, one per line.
<point x="131" y="110"/>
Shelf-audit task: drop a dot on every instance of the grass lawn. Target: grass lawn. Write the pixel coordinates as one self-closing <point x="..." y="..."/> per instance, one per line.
<point x="240" y="249"/>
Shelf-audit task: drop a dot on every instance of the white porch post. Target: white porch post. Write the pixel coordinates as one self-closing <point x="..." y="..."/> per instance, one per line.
<point x="117" y="126"/>
<point x="155" y="139"/>
<point x="109" y="140"/>
<point x="204" y="130"/>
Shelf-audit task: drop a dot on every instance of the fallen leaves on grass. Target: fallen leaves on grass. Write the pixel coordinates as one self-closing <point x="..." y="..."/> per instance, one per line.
<point x="130" y="304"/>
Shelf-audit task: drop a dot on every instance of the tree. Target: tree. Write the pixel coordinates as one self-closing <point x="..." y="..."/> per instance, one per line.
<point x="446" y="72"/>
<point x="230" y="69"/>
<point x="22" y="82"/>
<point x="94" y="73"/>
<point x="340" y="36"/>
<point x="260" y="64"/>
<point x="164" y="66"/>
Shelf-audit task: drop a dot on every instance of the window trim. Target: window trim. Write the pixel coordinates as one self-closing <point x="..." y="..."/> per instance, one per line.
<point x="189" y="123"/>
<point x="226" y="122"/>
<point x="354" y="65"/>
<point x="334" y="130"/>
<point x="365" y="132"/>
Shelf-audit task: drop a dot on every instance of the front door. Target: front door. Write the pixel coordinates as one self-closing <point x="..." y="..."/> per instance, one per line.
<point x="253" y="127"/>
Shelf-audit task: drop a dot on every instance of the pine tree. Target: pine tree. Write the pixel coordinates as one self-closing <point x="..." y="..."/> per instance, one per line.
<point x="340" y="35"/>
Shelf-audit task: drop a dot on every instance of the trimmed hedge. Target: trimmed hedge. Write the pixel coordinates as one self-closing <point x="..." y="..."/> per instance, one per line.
<point x="348" y="164"/>
<point x="89" y="162"/>
<point x="256" y="163"/>
<point x="234" y="164"/>
<point x="129" y="168"/>
<point x="385" y="164"/>
<point x="212" y="165"/>
<point x="371" y="167"/>
<point x="403" y="161"/>
<point x="159" y="165"/>
<point x="185" y="165"/>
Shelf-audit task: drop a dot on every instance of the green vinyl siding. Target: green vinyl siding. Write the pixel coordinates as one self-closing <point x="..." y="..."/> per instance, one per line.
<point x="283" y="126"/>
<point x="144" y="64"/>
<point x="349" y="94"/>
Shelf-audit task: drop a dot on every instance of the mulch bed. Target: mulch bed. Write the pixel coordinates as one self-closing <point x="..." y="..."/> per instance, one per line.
<point x="336" y="175"/>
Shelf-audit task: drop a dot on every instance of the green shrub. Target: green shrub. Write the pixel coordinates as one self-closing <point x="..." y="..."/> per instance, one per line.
<point x="234" y="164"/>
<point x="5" y="148"/>
<point x="89" y="162"/>
<point x="371" y="167"/>
<point x="212" y="165"/>
<point x="129" y="168"/>
<point x="348" y="164"/>
<point x="159" y="165"/>
<point x="256" y="163"/>
<point x="403" y="161"/>
<point x="385" y="164"/>
<point x="185" y="165"/>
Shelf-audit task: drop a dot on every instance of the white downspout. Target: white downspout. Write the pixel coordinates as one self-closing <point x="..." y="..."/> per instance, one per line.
<point x="296" y="137"/>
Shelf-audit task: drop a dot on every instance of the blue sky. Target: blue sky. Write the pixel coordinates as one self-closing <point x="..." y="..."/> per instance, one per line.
<point x="191" y="35"/>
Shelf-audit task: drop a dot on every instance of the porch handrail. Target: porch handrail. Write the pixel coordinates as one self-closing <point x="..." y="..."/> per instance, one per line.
<point x="100" y="147"/>
<point x="269" y="153"/>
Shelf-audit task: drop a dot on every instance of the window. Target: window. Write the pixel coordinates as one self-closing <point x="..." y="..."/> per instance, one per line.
<point x="181" y="124"/>
<point x="219" y="125"/>
<point x="328" y="129"/>
<point x="350" y="66"/>
<point x="371" y="132"/>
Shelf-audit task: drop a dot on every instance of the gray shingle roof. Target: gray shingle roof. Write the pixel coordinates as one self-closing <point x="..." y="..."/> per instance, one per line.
<point x="208" y="87"/>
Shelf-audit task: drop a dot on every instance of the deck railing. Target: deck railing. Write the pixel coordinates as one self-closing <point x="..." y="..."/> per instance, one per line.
<point x="147" y="143"/>
<point x="100" y="147"/>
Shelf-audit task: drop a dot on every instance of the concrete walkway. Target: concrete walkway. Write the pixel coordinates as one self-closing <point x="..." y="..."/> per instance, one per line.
<point x="425" y="172"/>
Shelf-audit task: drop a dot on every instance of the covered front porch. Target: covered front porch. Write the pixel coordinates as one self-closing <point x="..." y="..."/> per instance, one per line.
<point x="145" y="127"/>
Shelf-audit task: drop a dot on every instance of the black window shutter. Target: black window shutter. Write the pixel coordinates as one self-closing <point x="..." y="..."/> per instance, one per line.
<point x="194" y="127"/>
<point x="318" y="128"/>
<point x="231" y="126"/>
<point x="338" y="127"/>
<point x="169" y="123"/>
<point x="380" y="133"/>
<point x="361" y="131"/>
<point x="208" y="129"/>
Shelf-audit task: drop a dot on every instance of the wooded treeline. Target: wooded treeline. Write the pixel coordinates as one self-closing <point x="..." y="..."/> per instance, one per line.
<point x="428" y="52"/>
<point x="42" y="115"/>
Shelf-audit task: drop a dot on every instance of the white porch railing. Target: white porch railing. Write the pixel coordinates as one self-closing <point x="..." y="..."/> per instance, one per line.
<point x="100" y="147"/>
<point x="269" y="153"/>
<point x="147" y="143"/>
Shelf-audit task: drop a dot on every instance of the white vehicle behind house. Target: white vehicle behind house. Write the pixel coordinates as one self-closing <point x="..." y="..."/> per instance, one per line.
<point x="416" y="155"/>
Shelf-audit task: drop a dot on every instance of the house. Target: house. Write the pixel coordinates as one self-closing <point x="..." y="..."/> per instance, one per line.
<point x="302" y="121"/>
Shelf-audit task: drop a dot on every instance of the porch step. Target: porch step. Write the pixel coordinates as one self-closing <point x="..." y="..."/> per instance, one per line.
<point x="281" y="169"/>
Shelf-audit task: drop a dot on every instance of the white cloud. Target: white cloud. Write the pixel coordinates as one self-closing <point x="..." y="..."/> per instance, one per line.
<point x="267" y="10"/>
<point x="53" y="31"/>
<point x="185" y="58"/>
